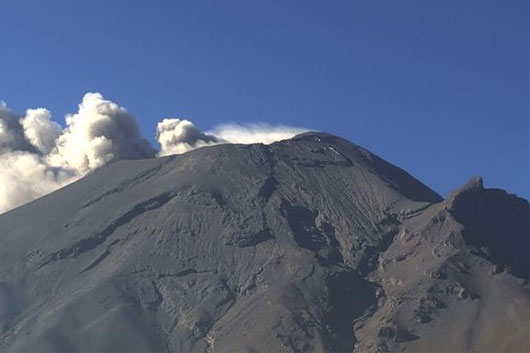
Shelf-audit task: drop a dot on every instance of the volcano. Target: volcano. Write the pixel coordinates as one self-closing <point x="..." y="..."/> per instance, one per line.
<point x="311" y="244"/>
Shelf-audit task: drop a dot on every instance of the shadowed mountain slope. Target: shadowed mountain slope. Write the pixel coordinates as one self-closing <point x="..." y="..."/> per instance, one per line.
<point x="311" y="244"/>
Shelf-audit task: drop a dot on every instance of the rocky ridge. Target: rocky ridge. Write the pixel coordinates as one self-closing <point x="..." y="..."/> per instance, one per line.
<point x="312" y="244"/>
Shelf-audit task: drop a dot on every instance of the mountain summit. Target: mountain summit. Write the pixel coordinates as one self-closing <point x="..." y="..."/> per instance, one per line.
<point x="311" y="244"/>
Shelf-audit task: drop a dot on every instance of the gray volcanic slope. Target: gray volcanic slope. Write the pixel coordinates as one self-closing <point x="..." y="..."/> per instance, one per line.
<point x="308" y="245"/>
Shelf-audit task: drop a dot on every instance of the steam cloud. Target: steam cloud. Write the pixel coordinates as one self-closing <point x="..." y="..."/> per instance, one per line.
<point x="177" y="136"/>
<point x="38" y="156"/>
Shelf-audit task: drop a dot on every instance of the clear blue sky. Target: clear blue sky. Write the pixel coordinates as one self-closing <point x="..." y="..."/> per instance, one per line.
<point x="439" y="88"/>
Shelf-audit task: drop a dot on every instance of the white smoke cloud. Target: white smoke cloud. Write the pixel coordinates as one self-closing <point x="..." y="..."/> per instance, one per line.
<point x="178" y="136"/>
<point x="101" y="131"/>
<point x="25" y="176"/>
<point x="255" y="133"/>
<point x="38" y="156"/>
<point x="39" y="130"/>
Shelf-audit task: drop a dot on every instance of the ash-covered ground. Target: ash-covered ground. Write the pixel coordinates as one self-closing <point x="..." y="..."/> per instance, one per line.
<point x="311" y="244"/>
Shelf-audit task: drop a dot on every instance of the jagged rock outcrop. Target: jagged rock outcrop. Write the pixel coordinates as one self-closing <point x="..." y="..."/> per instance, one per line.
<point x="307" y="245"/>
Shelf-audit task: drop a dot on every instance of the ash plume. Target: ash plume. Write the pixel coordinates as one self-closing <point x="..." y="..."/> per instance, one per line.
<point x="100" y="132"/>
<point x="178" y="136"/>
<point x="38" y="156"/>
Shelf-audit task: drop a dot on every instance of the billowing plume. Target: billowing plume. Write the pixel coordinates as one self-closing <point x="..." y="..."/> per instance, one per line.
<point x="25" y="176"/>
<point x="38" y="156"/>
<point x="11" y="132"/>
<point x="177" y="136"/>
<point x="100" y="132"/>
<point x="39" y="130"/>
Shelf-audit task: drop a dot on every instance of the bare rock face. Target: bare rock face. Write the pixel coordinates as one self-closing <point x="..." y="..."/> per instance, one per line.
<point x="308" y="245"/>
